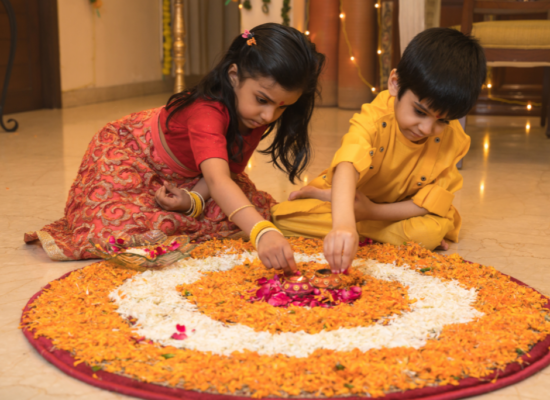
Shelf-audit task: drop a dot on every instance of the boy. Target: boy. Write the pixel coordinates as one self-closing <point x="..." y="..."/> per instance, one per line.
<point x="394" y="177"/>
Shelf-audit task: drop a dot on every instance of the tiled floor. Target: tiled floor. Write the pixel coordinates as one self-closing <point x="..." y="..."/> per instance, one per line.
<point x="505" y="205"/>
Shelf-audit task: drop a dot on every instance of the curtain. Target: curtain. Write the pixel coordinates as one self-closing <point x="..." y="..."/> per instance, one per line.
<point x="415" y="16"/>
<point x="210" y="28"/>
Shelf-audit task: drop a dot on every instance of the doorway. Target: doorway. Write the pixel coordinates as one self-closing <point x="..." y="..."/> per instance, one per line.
<point x="35" y="78"/>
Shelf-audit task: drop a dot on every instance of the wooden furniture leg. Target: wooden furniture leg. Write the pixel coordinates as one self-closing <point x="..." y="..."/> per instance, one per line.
<point x="179" y="46"/>
<point x="463" y="123"/>
<point x="545" y="111"/>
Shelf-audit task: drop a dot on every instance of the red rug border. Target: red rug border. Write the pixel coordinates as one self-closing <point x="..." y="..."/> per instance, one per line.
<point x="537" y="359"/>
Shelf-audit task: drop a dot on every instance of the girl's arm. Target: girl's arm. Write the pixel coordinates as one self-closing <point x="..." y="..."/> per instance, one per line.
<point x="341" y="243"/>
<point x="273" y="249"/>
<point x="365" y="209"/>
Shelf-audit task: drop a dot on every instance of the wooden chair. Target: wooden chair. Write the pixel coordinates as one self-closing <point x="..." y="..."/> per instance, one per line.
<point x="513" y="43"/>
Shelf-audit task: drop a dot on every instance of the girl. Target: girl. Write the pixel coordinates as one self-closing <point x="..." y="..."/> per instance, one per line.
<point x="197" y="147"/>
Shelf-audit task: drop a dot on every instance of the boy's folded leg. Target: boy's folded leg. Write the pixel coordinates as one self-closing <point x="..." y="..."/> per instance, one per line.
<point x="304" y="217"/>
<point x="313" y="218"/>
<point x="428" y="230"/>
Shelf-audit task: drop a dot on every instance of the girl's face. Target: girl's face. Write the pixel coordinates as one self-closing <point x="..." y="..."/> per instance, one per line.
<point x="260" y="101"/>
<point x="415" y="119"/>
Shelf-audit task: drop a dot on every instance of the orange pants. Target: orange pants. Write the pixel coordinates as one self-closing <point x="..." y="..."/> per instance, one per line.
<point x="313" y="218"/>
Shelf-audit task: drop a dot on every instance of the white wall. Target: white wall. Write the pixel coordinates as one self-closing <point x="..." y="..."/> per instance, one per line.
<point x="122" y="46"/>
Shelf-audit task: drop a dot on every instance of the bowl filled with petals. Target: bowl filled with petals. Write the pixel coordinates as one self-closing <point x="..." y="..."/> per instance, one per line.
<point x="151" y="250"/>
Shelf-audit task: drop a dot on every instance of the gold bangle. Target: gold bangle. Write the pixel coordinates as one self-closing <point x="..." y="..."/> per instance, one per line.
<point x="260" y="226"/>
<point x="264" y="231"/>
<point x="193" y="203"/>
<point x="198" y="205"/>
<point x="201" y="199"/>
<point x="237" y="210"/>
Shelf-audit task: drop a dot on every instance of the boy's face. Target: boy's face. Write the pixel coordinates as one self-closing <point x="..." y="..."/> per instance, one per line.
<point x="415" y="119"/>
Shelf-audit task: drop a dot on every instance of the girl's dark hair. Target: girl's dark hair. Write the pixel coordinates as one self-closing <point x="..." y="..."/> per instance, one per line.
<point x="445" y="67"/>
<point x="285" y="55"/>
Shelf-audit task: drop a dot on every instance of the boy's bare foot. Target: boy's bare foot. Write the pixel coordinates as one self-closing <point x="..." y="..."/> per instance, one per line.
<point x="310" y="192"/>
<point x="443" y="246"/>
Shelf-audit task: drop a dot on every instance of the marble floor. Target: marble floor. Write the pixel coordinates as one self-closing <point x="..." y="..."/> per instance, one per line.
<point x="505" y="205"/>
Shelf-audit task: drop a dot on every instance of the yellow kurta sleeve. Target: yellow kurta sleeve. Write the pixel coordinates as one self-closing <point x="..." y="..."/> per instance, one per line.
<point x="438" y="196"/>
<point x="357" y="145"/>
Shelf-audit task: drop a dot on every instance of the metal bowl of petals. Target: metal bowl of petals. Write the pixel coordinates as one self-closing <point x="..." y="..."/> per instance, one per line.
<point x="151" y="250"/>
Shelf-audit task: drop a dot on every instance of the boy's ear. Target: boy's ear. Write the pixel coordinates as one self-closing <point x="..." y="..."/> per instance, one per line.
<point x="393" y="85"/>
<point x="233" y="73"/>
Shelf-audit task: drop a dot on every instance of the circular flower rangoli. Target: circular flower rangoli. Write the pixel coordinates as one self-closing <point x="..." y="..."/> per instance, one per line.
<point x="423" y="321"/>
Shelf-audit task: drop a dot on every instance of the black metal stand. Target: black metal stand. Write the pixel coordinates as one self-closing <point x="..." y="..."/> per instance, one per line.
<point x="13" y="42"/>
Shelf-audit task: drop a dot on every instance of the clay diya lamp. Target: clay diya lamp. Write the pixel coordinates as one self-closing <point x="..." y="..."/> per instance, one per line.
<point x="325" y="279"/>
<point x="297" y="285"/>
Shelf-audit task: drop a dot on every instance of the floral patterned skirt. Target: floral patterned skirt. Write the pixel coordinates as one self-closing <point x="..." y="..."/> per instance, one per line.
<point x="114" y="192"/>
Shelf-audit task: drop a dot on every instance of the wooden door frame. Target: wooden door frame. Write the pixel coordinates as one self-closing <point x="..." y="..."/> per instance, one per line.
<point x="49" y="54"/>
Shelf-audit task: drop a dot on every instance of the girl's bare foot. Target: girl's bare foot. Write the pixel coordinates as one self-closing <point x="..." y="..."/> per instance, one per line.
<point x="310" y="192"/>
<point x="443" y="246"/>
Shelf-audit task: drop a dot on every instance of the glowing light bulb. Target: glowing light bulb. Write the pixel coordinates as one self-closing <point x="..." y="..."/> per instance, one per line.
<point x="377" y="5"/>
<point x="241" y="6"/>
<point x="527" y="127"/>
<point x="373" y="89"/>
<point x="307" y="33"/>
<point x="352" y="58"/>
<point x="529" y="106"/>
<point x="379" y="51"/>
<point x="342" y="15"/>
<point x="489" y="85"/>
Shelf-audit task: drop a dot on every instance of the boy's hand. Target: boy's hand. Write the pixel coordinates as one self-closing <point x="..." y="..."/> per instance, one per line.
<point x="365" y="209"/>
<point x="275" y="252"/>
<point x="340" y="246"/>
<point x="170" y="198"/>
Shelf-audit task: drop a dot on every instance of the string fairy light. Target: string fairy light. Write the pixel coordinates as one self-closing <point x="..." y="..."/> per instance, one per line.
<point x="351" y="56"/>
<point x="529" y="105"/>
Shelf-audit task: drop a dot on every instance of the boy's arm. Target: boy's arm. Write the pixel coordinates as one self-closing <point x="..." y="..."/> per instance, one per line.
<point x="340" y="245"/>
<point x="365" y="209"/>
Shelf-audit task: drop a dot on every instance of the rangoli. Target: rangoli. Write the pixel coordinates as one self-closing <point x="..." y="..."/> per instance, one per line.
<point x="424" y="326"/>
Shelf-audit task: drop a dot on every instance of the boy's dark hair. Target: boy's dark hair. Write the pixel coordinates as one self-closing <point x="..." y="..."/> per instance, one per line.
<point x="287" y="56"/>
<point x="445" y="67"/>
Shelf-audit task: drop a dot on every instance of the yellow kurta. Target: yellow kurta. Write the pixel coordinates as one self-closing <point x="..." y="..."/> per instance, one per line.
<point x="391" y="169"/>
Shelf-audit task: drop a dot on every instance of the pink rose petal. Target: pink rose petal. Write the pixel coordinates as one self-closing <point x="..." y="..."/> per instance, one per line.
<point x="179" y="336"/>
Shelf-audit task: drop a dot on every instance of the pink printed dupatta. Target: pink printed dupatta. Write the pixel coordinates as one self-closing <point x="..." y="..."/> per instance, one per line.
<point x="114" y="191"/>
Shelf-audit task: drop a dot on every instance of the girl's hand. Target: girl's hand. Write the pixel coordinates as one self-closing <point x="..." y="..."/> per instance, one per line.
<point x="275" y="252"/>
<point x="170" y="198"/>
<point x="340" y="246"/>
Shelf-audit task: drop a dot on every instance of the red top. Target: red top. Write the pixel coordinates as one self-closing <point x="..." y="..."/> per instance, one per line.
<point x="197" y="133"/>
